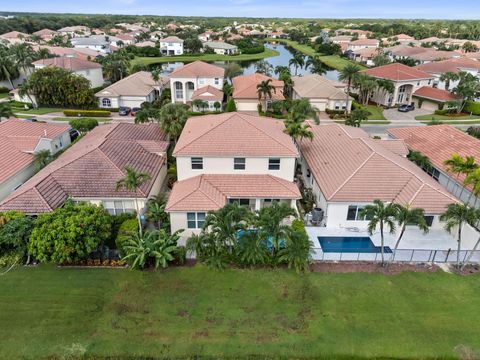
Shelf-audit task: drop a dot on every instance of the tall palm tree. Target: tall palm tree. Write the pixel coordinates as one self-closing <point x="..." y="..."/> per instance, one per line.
<point x="476" y="226"/>
<point x="348" y="73"/>
<point x="9" y="70"/>
<point x="172" y="119"/>
<point x="296" y="129"/>
<point x="448" y="77"/>
<point x="156" y="210"/>
<point x="473" y="179"/>
<point x="287" y="83"/>
<point x="302" y="110"/>
<point x="316" y="65"/>
<point x="132" y="182"/>
<point x="366" y="85"/>
<point x="297" y="61"/>
<point x="265" y="91"/>
<point x="454" y="165"/>
<point x="406" y="215"/>
<point x="469" y="166"/>
<point x="380" y="215"/>
<point x="23" y="55"/>
<point x="157" y="77"/>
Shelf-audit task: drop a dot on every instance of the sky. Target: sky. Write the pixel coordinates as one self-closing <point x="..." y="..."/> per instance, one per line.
<point x="408" y="9"/>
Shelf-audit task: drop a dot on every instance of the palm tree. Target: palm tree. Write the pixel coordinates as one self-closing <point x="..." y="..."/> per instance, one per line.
<point x="42" y="54"/>
<point x="348" y="73"/>
<point x="475" y="225"/>
<point x="298" y="250"/>
<point x="316" y="65"/>
<point x="23" y="55"/>
<point x="41" y="159"/>
<point x="157" y="77"/>
<point x="264" y="67"/>
<point x="366" y="85"/>
<point x="473" y="179"/>
<point x="264" y="91"/>
<point x="297" y="129"/>
<point x="454" y="165"/>
<point x="447" y="78"/>
<point x="297" y="61"/>
<point x="8" y="68"/>
<point x="172" y="119"/>
<point x="156" y="210"/>
<point x="302" y="109"/>
<point x="132" y="182"/>
<point x="287" y="83"/>
<point x="468" y="167"/>
<point x="456" y="216"/>
<point x="5" y="111"/>
<point x="381" y="215"/>
<point x="233" y="69"/>
<point x="406" y="215"/>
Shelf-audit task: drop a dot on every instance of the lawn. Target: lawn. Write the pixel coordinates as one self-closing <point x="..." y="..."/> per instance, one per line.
<point x="39" y="111"/>
<point x="4" y="95"/>
<point x="452" y="120"/>
<point x="205" y="57"/>
<point x="99" y="119"/>
<point x="376" y="112"/>
<point x="67" y="313"/>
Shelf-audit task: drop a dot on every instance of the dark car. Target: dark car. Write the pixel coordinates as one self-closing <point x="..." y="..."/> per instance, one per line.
<point x="31" y="119"/>
<point x="134" y="111"/>
<point x="406" y="108"/>
<point x="124" y="111"/>
<point x="73" y="134"/>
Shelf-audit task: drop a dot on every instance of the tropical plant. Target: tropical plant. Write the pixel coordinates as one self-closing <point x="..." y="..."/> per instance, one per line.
<point x="476" y="225"/>
<point x="302" y="109"/>
<point x="9" y="70"/>
<point x="381" y="215"/>
<point x="348" y="74"/>
<point x="156" y="74"/>
<point x="265" y="91"/>
<point x="200" y="104"/>
<point x="297" y="129"/>
<point x="233" y="69"/>
<point x="132" y="182"/>
<point x="308" y="200"/>
<point x="357" y="116"/>
<point x="421" y="160"/>
<point x="15" y="234"/>
<point x="115" y="65"/>
<point x="5" y="111"/>
<point x="467" y="89"/>
<point x="381" y="60"/>
<point x="172" y="119"/>
<point x="297" y="61"/>
<point x="469" y="47"/>
<point x="298" y="249"/>
<point x="316" y="65"/>
<point x="156" y="211"/>
<point x="231" y="106"/>
<point x="448" y="77"/>
<point x="217" y="105"/>
<point x="251" y="249"/>
<point x="83" y="125"/>
<point x="23" y="55"/>
<point x="147" y="113"/>
<point x="264" y="67"/>
<point x="41" y="159"/>
<point x="473" y="178"/>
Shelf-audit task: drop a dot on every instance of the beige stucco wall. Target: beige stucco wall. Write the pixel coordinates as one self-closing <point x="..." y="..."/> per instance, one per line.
<point x="9" y="185"/>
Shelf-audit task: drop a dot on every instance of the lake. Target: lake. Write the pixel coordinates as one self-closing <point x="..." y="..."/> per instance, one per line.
<point x="249" y="66"/>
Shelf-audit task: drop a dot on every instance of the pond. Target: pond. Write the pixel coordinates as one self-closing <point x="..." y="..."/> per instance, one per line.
<point x="249" y="66"/>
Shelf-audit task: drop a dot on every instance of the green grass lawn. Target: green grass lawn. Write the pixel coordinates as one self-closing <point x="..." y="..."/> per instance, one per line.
<point x="205" y="57"/>
<point x="376" y="112"/>
<point x="47" y="312"/>
<point x="99" y="119"/>
<point x="446" y="117"/>
<point x="39" y="111"/>
<point x="4" y="95"/>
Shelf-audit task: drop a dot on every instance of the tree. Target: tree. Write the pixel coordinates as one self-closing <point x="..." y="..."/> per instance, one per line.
<point x="115" y="65"/>
<point x="297" y="61"/>
<point x="473" y="178"/>
<point x="264" y="67"/>
<point x="200" y="104"/>
<point x="469" y="166"/>
<point x="348" y="73"/>
<point x="217" y="105"/>
<point x="172" y="119"/>
<point x="448" y="77"/>
<point x="302" y="109"/>
<point x="381" y="60"/>
<point x="458" y="165"/>
<point x="23" y="55"/>
<point x="83" y="125"/>
<point x="148" y="113"/>
<point x="69" y="233"/>
<point x="456" y="216"/>
<point x="132" y="182"/>
<point x="9" y="70"/>
<point x="316" y="65"/>
<point x="357" y="116"/>
<point x="296" y="129"/>
<point x="42" y="158"/>
<point x="231" y="106"/>
<point x="469" y="47"/>
<point x="380" y="215"/>
<point x="5" y="111"/>
<point x="156" y="211"/>
<point x="287" y="83"/>
<point x="467" y="88"/>
<point x="157" y="78"/>
<point x="475" y="224"/>
<point x="194" y="45"/>
<point x="15" y="234"/>
<point x="233" y="69"/>
<point x="406" y="215"/>
<point x="265" y="91"/>
<point x="155" y="248"/>
<point x="251" y="250"/>
<point x="298" y="248"/>
<point x="366" y="85"/>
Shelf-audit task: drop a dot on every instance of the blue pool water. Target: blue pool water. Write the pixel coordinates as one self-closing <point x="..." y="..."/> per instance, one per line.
<point x="352" y="244"/>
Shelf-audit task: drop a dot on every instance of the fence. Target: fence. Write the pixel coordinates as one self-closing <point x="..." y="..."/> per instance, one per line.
<point x="401" y="255"/>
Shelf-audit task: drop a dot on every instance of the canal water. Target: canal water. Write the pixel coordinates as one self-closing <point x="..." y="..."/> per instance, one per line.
<point x="249" y="66"/>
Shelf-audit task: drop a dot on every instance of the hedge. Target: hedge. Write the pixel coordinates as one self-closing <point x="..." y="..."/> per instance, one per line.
<point x="472" y="107"/>
<point x="4" y="90"/>
<point x="441" y="112"/>
<point x="93" y="113"/>
<point x="128" y="228"/>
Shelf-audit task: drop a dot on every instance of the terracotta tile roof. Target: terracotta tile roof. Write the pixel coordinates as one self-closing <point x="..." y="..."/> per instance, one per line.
<point x="172" y="39"/>
<point x="397" y="72"/>
<point x="92" y="166"/>
<point x="234" y="134"/>
<point x="137" y="84"/>
<point x="45" y="32"/>
<point x="198" y="69"/>
<point x="405" y="50"/>
<point x="350" y="167"/>
<point x="428" y="92"/>
<point x="450" y="65"/>
<point x="210" y="192"/>
<point x="438" y="143"/>
<point x="68" y="63"/>
<point x="403" y="37"/>
<point x="395" y="146"/>
<point x="365" y="42"/>
<point x="315" y="86"/>
<point x="13" y="35"/>
<point x="208" y="93"/>
<point x="435" y="55"/>
<point x="245" y="86"/>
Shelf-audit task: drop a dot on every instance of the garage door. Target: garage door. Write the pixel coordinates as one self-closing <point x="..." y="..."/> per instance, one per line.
<point x="429" y="105"/>
<point x="321" y="106"/>
<point x="246" y="105"/>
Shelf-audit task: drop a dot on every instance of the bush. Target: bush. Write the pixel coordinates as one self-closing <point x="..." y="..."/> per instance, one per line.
<point x="83" y="125"/>
<point x="254" y="50"/>
<point x="125" y="232"/>
<point x="472" y="107"/>
<point x="474" y="131"/>
<point x="441" y="112"/>
<point x="10" y="259"/>
<point x="94" y="113"/>
<point x="14" y="235"/>
<point x="4" y="90"/>
<point x="231" y="106"/>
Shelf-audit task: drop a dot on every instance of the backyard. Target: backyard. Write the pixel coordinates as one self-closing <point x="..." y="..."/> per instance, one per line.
<point x="183" y="312"/>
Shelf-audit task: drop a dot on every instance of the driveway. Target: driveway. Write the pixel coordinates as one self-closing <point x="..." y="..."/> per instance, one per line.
<point x="394" y="114"/>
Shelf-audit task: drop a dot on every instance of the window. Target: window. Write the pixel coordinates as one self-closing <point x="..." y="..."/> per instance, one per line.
<point x="106" y="102"/>
<point x="195" y="220"/>
<point x="242" y="202"/>
<point x="217" y="81"/>
<point x="353" y="213"/>
<point x="239" y="163"/>
<point x="197" y="163"/>
<point x="337" y="106"/>
<point x="429" y="220"/>
<point x="178" y="90"/>
<point x="273" y="164"/>
<point x="434" y="173"/>
<point x="118" y="207"/>
<point x="201" y="81"/>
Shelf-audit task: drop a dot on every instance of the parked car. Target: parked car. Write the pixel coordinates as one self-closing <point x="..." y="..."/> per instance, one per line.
<point x="134" y="111"/>
<point x="31" y="119"/>
<point x="406" y="107"/>
<point x="124" y="111"/>
<point x="73" y="134"/>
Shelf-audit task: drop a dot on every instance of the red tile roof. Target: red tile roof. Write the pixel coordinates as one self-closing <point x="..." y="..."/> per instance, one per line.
<point x="208" y="93"/>
<point x="245" y="86"/>
<point x="198" y="69"/>
<point x="440" y="95"/>
<point x="91" y="168"/>
<point x="68" y="63"/>
<point x="210" y="192"/>
<point x="450" y="65"/>
<point x="398" y="72"/>
<point x="234" y="134"/>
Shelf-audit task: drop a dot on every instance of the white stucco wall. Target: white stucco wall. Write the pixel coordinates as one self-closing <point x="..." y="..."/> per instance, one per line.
<point x="198" y="82"/>
<point x="95" y="76"/>
<point x="166" y="47"/>
<point x="12" y="183"/>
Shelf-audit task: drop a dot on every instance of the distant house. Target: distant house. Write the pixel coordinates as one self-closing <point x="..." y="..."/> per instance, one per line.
<point x="185" y="80"/>
<point x="403" y="38"/>
<point x="209" y="95"/>
<point x="19" y="141"/>
<point x="14" y="37"/>
<point x="131" y="91"/>
<point x="90" y="70"/>
<point x="364" y="56"/>
<point x="171" y="45"/>
<point x="438" y="68"/>
<point x="406" y="80"/>
<point x="75" y="31"/>
<point x="145" y="44"/>
<point x="322" y="93"/>
<point x="363" y="44"/>
<point x="221" y="48"/>
<point x="429" y="98"/>
<point x="101" y="45"/>
<point x="420" y="54"/>
<point x="245" y="91"/>
<point x="46" y="34"/>
<point x="89" y="170"/>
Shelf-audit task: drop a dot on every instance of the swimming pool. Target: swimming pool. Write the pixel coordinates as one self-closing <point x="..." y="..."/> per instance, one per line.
<point x="352" y="244"/>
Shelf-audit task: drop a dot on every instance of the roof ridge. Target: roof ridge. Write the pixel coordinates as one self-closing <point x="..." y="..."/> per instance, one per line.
<point x="42" y="199"/>
<point x="278" y="180"/>
<point x="213" y="186"/>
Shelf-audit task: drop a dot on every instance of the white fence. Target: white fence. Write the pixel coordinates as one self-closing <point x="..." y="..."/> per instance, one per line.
<point x="401" y="255"/>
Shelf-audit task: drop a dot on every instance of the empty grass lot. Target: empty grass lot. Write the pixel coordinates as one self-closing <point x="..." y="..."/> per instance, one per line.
<point x="47" y="312"/>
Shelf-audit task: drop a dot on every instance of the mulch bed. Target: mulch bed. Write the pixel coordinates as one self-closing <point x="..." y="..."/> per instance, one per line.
<point x="469" y="270"/>
<point x="370" y="267"/>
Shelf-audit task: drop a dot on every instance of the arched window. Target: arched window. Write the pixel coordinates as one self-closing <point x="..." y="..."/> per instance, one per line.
<point x="106" y="102"/>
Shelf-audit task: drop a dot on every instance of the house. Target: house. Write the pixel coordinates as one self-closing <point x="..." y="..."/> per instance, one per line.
<point x="89" y="70"/>
<point x="100" y="45"/>
<point x="89" y="170"/>
<point x="193" y="76"/>
<point x="245" y="91"/>
<point x="157" y="35"/>
<point x="405" y="79"/>
<point x="230" y="157"/>
<point x="438" y="143"/>
<point x="117" y="41"/>
<point x="210" y="96"/>
<point x="403" y="38"/>
<point x="171" y="45"/>
<point x="431" y="55"/>
<point x="84" y="54"/>
<point x="364" y="56"/>
<point x="131" y="91"/>
<point x="363" y="44"/>
<point x="19" y="141"/>
<point x="438" y="68"/>
<point x="221" y="48"/>
<point x="46" y="34"/>
<point x="75" y="31"/>
<point x="14" y="37"/>
<point x="322" y="93"/>
<point x="145" y="44"/>
<point x="429" y="98"/>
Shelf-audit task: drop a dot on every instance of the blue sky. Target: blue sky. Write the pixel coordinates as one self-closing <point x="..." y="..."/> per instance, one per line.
<point x="431" y="9"/>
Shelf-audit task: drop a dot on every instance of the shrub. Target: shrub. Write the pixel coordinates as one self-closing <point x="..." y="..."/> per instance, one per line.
<point x="474" y="131"/>
<point x="231" y="106"/>
<point x="14" y="235"/>
<point x="83" y="125"/>
<point x="10" y="259"/>
<point x="126" y="230"/>
<point x="472" y="107"/>
<point x="441" y="112"/>
<point x="4" y="90"/>
<point x="181" y="255"/>
<point x="94" y="113"/>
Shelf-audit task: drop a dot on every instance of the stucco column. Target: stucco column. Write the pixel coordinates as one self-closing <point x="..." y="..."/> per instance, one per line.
<point x="184" y="89"/>
<point x="257" y="204"/>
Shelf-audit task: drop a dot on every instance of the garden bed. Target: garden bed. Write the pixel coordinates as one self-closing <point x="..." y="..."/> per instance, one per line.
<point x="370" y="267"/>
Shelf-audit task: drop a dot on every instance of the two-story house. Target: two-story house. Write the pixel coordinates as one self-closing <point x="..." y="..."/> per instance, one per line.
<point x="171" y="45"/>
<point x="231" y="157"/>
<point x="198" y="75"/>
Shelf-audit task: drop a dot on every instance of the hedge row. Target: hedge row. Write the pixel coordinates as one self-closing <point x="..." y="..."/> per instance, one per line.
<point x="93" y="113"/>
<point x="472" y="107"/>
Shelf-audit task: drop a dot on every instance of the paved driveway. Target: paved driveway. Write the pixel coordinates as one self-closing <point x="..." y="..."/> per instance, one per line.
<point x="394" y="114"/>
